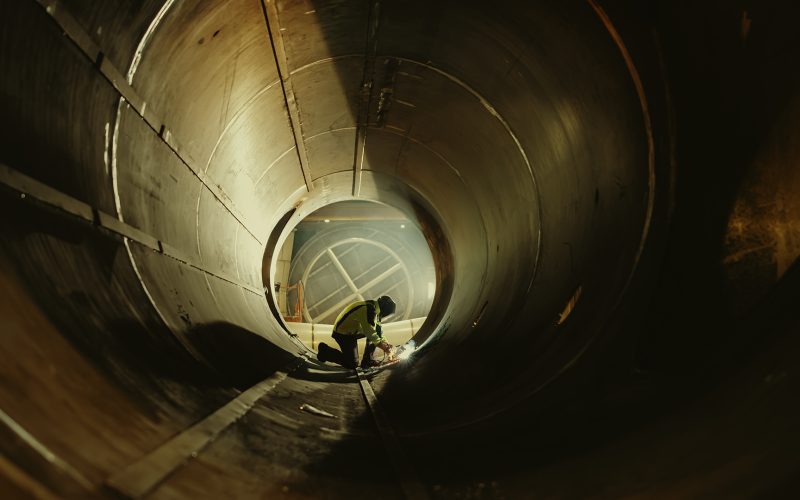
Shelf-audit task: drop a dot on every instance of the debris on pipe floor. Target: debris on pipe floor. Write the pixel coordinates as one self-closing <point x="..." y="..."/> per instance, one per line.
<point x="316" y="411"/>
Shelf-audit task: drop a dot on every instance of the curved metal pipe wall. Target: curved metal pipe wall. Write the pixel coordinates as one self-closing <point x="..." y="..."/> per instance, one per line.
<point x="502" y="162"/>
<point x="531" y="144"/>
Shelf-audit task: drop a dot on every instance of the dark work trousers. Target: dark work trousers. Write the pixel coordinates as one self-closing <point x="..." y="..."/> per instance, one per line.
<point x="349" y="346"/>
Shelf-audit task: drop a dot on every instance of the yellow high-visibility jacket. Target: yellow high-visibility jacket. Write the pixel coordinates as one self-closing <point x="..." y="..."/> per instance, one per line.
<point x="361" y="318"/>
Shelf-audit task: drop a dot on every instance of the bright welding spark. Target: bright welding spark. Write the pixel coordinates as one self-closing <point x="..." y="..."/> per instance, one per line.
<point x="408" y="350"/>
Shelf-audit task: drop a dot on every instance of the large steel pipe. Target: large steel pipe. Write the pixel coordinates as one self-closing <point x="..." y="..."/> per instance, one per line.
<point x="154" y="153"/>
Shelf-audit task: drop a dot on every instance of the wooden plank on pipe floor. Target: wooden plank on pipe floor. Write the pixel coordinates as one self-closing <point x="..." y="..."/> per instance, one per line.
<point x="146" y="474"/>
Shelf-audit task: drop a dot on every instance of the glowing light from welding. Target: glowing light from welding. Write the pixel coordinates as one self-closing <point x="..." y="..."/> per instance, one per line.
<point x="408" y="350"/>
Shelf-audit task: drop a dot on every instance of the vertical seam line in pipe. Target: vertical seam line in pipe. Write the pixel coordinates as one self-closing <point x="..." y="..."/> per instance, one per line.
<point x="151" y="29"/>
<point x="642" y="95"/>
<point x="491" y="109"/>
<point x="366" y="92"/>
<point x="121" y="218"/>
<point x="239" y="112"/>
<point x="270" y="11"/>
<point x="407" y="137"/>
<point x="249" y="308"/>
<point x="92" y="51"/>
<point x="131" y="72"/>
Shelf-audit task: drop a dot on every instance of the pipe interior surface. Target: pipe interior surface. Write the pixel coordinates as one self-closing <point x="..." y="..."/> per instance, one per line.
<point x="555" y="155"/>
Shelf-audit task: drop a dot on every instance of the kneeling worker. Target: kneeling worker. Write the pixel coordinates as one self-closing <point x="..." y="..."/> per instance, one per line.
<point x="356" y="321"/>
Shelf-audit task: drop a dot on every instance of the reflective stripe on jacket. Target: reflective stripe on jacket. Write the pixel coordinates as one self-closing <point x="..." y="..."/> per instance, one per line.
<point x="360" y="318"/>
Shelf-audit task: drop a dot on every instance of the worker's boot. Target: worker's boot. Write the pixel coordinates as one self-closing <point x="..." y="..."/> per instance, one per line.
<point x="367" y="360"/>
<point x="324" y="352"/>
<point x="367" y="363"/>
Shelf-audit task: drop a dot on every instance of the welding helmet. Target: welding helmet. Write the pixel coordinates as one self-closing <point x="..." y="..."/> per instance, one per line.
<point x="386" y="305"/>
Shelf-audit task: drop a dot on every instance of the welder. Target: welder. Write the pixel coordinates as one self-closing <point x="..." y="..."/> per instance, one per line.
<point x="357" y="321"/>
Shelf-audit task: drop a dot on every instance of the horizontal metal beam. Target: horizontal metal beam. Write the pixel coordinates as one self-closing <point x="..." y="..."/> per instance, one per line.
<point x="72" y="29"/>
<point x="30" y="189"/>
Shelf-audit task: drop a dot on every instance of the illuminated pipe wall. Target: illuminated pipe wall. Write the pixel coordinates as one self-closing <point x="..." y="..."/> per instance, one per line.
<point x="529" y="141"/>
<point x="527" y="161"/>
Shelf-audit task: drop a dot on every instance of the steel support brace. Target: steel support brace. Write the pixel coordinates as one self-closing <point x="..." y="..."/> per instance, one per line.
<point x="272" y="20"/>
<point x="367" y="84"/>
<point x="32" y="190"/>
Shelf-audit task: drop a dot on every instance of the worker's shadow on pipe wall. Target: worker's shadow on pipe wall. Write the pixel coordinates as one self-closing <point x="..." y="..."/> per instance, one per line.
<point x="241" y="357"/>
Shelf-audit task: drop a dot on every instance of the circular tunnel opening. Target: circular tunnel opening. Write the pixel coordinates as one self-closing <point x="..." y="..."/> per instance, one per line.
<point x="528" y="185"/>
<point x="346" y="252"/>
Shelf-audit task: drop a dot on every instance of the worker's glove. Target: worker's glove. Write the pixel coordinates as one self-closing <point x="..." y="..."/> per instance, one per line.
<point x="385" y="347"/>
